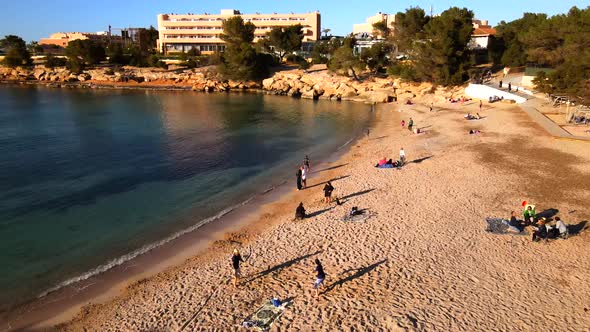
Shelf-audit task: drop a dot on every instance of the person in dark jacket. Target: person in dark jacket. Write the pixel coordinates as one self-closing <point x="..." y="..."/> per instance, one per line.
<point x="328" y="192"/>
<point x="299" y="179"/>
<point x="236" y="258"/>
<point x="300" y="212"/>
<point x="320" y="277"/>
<point x="541" y="232"/>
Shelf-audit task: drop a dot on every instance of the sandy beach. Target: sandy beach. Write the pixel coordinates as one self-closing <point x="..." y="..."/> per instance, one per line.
<point x="421" y="261"/>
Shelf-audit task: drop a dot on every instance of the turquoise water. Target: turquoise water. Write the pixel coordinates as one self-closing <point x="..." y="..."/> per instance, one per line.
<point x="91" y="178"/>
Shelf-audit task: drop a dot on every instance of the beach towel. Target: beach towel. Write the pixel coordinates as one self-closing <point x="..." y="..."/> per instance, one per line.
<point x="501" y="226"/>
<point x="263" y="318"/>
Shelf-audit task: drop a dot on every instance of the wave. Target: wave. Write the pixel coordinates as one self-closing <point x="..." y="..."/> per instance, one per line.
<point x="345" y="144"/>
<point x="125" y="258"/>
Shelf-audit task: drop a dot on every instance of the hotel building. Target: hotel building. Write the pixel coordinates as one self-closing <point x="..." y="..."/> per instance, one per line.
<point x="180" y="33"/>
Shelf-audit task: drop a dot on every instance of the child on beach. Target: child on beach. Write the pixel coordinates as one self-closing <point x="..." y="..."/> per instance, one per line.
<point x="328" y="192"/>
<point x="235" y="261"/>
<point x="320" y="277"/>
<point x="403" y="123"/>
<point x="402" y="156"/>
<point x="306" y="162"/>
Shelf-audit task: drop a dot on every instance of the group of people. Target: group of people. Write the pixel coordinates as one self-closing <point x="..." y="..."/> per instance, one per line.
<point x="302" y="173"/>
<point x="542" y="227"/>
<point x="470" y="116"/>
<point x="459" y="100"/>
<point x="398" y="163"/>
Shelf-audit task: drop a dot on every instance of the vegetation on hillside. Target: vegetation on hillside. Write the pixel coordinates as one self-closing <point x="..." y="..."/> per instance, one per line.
<point x="16" y="53"/>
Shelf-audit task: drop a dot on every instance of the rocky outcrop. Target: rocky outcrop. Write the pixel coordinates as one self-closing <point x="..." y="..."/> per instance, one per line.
<point x="319" y="84"/>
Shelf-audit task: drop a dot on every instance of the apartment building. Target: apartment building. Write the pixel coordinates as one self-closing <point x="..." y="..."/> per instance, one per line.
<point x="63" y="38"/>
<point x="181" y="32"/>
<point x="366" y="29"/>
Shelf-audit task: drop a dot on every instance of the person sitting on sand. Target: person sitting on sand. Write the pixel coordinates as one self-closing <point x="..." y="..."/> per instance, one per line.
<point x="561" y="228"/>
<point x="477" y="116"/>
<point x="300" y="212"/>
<point x="541" y="232"/>
<point x="235" y="260"/>
<point x="382" y="162"/>
<point x="474" y="132"/>
<point x="320" y="277"/>
<point x="403" y="123"/>
<point x="410" y="124"/>
<point x="515" y="222"/>
<point x="529" y="215"/>
<point x="328" y="192"/>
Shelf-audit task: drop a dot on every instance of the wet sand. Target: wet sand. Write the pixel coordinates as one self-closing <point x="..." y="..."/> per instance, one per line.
<point x="421" y="261"/>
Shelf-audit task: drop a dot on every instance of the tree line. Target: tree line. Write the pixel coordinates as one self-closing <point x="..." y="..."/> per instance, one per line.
<point x="417" y="48"/>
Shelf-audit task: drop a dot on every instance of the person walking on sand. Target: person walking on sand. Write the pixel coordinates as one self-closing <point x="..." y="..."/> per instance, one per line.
<point x="509" y="87"/>
<point x="328" y="192"/>
<point x="480" y="104"/>
<point x="304" y="176"/>
<point x="299" y="179"/>
<point x="320" y="276"/>
<point x="235" y="261"/>
<point x="402" y="156"/>
<point x="410" y="124"/>
<point x="431" y="106"/>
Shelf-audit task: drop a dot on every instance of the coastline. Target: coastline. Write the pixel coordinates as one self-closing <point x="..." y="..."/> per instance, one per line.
<point x="421" y="261"/>
<point x="60" y="305"/>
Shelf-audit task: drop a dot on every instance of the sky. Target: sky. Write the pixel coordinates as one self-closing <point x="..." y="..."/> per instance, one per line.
<point x="35" y="19"/>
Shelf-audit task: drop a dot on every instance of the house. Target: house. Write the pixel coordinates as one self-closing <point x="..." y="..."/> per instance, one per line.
<point x="480" y="37"/>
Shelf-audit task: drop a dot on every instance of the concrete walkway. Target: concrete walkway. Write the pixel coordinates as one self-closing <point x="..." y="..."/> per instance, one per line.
<point x="551" y="127"/>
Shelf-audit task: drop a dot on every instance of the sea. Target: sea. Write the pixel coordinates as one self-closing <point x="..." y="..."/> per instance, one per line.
<point x="90" y="179"/>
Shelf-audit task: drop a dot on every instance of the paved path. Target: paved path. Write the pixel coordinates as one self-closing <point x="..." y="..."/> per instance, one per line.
<point x="530" y="107"/>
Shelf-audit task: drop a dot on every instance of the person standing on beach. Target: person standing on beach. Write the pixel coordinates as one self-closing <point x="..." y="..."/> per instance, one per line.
<point x="235" y="261"/>
<point x="431" y="106"/>
<point x="509" y="87"/>
<point x="410" y="124"/>
<point x="328" y="192"/>
<point x="299" y="178"/>
<point x="480" y="104"/>
<point x="402" y="156"/>
<point x="304" y="176"/>
<point x="320" y="276"/>
<point x="306" y="162"/>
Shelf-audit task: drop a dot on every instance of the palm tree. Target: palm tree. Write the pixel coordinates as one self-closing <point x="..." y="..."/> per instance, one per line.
<point x="325" y="31"/>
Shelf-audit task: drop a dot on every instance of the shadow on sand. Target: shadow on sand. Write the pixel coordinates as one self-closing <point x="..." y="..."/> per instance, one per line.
<point x="331" y="180"/>
<point x="359" y="273"/>
<point x="355" y="194"/>
<point x="284" y="265"/>
<point x="330" y="168"/>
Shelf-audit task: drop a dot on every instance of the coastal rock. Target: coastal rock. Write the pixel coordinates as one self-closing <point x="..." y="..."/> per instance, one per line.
<point x="267" y="83"/>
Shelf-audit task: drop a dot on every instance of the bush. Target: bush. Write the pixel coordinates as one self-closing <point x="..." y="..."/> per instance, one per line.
<point x="52" y="61"/>
<point x="75" y="65"/>
<point x="299" y="60"/>
<point x="404" y="71"/>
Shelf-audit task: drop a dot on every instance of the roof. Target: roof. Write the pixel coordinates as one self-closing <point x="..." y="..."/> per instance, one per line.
<point x="483" y="31"/>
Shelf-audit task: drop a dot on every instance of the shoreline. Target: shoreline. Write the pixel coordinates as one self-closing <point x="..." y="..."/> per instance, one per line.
<point x="60" y="305"/>
<point x="422" y="259"/>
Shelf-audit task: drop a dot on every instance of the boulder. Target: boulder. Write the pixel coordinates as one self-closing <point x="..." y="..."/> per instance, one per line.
<point x="267" y="83"/>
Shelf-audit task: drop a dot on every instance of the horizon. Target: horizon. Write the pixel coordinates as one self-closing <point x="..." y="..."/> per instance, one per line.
<point x="23" y="20"/>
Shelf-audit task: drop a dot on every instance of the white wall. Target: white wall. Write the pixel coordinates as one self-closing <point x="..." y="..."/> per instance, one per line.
<point x="485" y="92"/>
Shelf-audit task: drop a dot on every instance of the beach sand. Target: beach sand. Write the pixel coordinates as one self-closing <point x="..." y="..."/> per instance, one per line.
<point x="421" y="261"/>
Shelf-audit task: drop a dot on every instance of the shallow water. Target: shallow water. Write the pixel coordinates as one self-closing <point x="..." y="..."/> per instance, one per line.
<point x="90" y="178"/>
